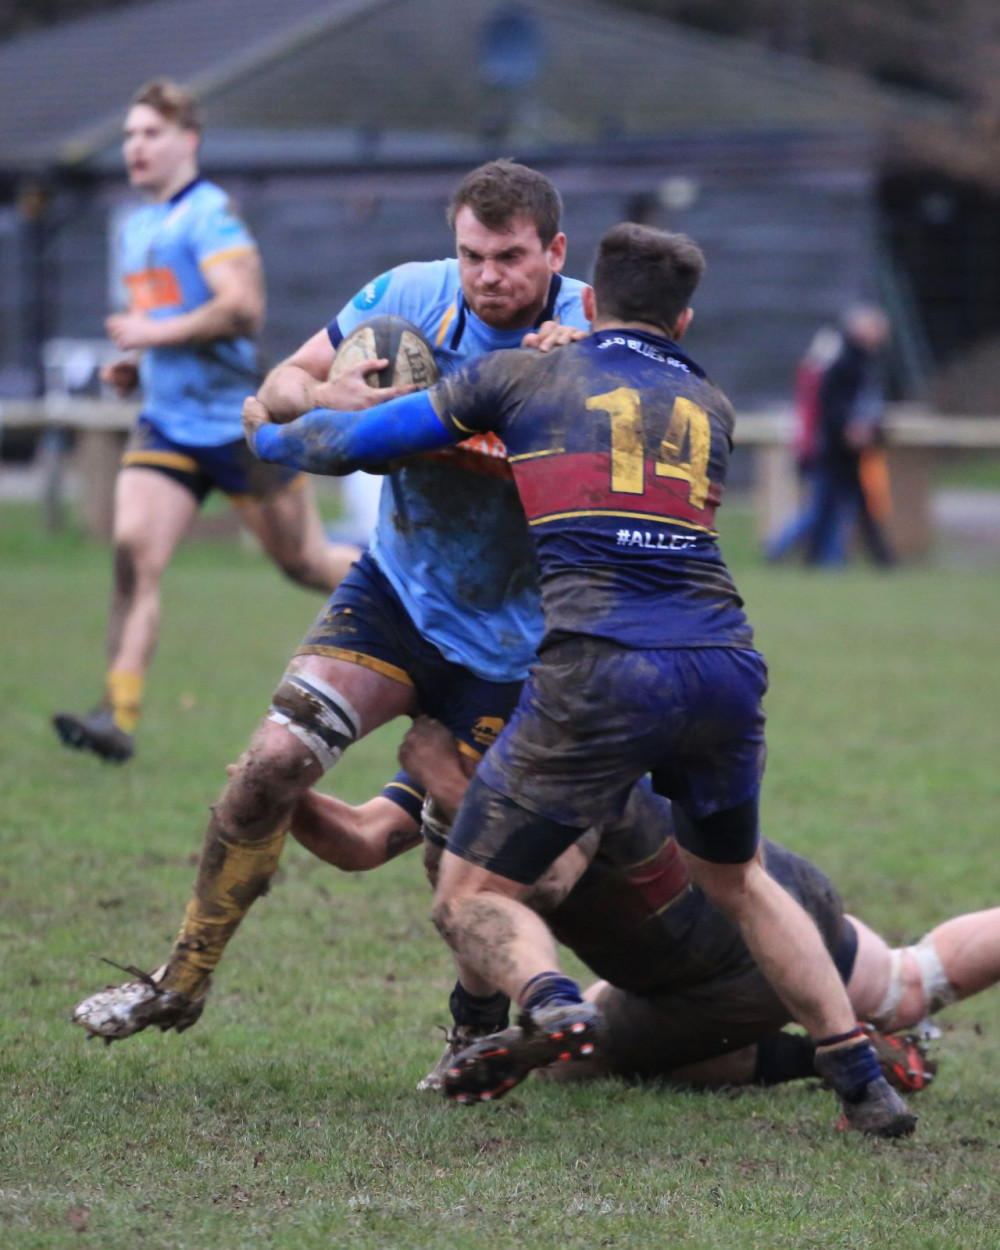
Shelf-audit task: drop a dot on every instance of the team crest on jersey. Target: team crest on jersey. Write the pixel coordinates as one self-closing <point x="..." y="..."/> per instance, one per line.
<point x="486" y="730"/>
<point x="370" y="295"/>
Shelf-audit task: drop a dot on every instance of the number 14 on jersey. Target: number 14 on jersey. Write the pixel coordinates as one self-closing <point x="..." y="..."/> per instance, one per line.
<point x="683" y="452"/>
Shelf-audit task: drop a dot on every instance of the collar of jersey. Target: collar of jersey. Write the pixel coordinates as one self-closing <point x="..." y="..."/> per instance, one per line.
<point x="185" y="190"/>
<point x="658" y="340"/>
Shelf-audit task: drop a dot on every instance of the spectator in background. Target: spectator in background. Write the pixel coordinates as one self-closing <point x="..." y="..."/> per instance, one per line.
<point x="795" y="532"/>
<point x="850" y="481"/>
<point x="838" y="409"/>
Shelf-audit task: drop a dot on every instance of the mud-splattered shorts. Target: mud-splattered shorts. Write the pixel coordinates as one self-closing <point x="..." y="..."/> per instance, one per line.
<point x="592" y="719"/>
<point x="231" y="467"/>
<point x="365" y="622"/>
<point x="652" y="1033"/>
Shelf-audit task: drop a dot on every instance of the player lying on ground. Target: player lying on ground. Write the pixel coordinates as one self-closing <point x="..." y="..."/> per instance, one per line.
<point x="681" y="996"/>
<point x="619" y="446"/>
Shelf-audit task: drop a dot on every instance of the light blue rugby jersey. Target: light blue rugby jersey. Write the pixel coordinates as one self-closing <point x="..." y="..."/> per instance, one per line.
<point x="194" y="394"/>
<point x="451" y="535"/>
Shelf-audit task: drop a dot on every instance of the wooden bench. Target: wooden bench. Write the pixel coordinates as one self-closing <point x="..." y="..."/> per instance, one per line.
<point x="918" y="442"/>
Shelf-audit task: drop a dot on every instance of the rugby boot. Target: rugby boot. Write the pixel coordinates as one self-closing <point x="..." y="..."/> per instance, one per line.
<point x="460" y="1038"/>
<point x="96" y="732"/>
<point x="903" y="1059"/>
<point x="872" y="1107"/>
<point x="488" y="1068"/>
<point x="118" y="1011"/>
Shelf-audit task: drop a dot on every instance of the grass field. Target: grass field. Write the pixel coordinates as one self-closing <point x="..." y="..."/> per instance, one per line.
<point x="288" y="1117"/>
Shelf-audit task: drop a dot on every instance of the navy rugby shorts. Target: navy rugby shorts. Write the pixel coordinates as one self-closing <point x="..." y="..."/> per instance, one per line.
<point x="365" y="622"/>
<point x="685" y="1019"/>
<point x="230" y="467"/>
<point x="592" y="719"/>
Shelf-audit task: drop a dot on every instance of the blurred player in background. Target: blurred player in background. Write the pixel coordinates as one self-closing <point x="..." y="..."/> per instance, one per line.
<point x="196" y="302"/>
<point x="620" y="447"/>
<point x="441" y="615"/>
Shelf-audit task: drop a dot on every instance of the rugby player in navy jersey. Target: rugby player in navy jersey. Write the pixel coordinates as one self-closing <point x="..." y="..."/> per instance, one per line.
<point x="441" y="615"/>
<point x="619" y="446"/>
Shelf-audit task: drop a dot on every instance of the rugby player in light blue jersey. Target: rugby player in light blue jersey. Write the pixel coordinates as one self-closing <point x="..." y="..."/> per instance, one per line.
<point x="620" y="447"/>
<point x="195" y="301"/>
<point x="441" y="616"/>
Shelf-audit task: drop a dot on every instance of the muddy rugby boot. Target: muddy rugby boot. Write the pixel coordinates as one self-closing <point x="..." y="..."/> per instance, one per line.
<point x="869" y="1105"/>
<point x="903" y="1059"/>
<point x="488" y="1068"/>
<point x="120" y="1010"/>
<point x="95" y="732"/>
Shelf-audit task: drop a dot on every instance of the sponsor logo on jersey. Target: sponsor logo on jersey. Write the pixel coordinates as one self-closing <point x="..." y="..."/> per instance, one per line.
<point x="370" y="295"/>
<point x="150" y="289"/>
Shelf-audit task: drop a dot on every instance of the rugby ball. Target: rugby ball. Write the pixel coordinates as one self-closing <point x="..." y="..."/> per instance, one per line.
<point x="410" y="355"/>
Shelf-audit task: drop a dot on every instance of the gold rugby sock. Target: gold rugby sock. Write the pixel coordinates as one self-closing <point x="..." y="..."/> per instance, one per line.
<point x="232" y="874"/>
<point x="123" y="694"/>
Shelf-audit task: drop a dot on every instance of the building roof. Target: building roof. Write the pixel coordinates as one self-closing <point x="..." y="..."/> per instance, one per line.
<point x="331" y="81"/>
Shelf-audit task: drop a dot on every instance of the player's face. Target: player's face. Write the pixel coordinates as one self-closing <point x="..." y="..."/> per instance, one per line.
<point x="505" y="273"/>
<point x="158" y="153"/>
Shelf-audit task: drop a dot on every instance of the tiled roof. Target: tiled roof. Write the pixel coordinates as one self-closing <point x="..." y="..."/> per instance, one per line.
<point x="366" y="66"/>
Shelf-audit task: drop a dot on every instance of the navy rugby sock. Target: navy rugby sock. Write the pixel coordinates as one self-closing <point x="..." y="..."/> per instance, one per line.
<point x="484" y="1015"/>
<point x="849" y="1063"/>
<point x="550" y="989"/>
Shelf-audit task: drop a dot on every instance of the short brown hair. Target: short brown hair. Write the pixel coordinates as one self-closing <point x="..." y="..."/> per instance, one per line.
<point x="644" y="274"/>
<point x="501" y="190"/>
<point x="173" y="102"/>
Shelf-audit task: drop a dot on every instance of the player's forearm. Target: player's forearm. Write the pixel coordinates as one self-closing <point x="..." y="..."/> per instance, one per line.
<point x="353" y="839"/>
<point x="288" y="391"/>
<point x="219" y="318"/>
<point x="328" y="442"/>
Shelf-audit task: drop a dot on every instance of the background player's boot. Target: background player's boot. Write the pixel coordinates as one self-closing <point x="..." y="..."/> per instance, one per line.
<point x="121" y="1010"/>
<point x="869" y="1102"/>
<point x="490" y="1067"/>
<point x="903" y="1059"/>
<point x="96" y="732"/>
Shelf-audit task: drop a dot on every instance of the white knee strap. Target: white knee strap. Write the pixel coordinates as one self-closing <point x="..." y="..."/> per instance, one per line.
<point x="938" y="990"/>
<point x="884" y="1013"/>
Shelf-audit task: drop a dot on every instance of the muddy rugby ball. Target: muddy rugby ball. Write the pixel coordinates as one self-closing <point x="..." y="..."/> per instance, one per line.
<point x="387" y="337"/>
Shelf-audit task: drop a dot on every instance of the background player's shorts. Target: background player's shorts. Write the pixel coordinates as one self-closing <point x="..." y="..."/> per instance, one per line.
<point x="652" y="1033"/>
<point x="232" y="467"/>
<point x="365" y="623"/>
<point x="592" y="719"/>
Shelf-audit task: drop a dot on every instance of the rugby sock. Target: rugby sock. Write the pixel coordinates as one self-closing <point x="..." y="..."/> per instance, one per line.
<point x="232" y="874"/>
<point x="848" y="1062"/>
<point x="784" y="1057"/>
<point x="123" y="694"/>
<point x="549" y="989"/>
<point x="482" y="1015"/>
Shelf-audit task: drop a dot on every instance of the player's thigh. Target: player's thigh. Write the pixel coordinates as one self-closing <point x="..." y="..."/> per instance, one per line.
<point x="870" y="976"/>
<point x="152" y="512"/>
<point x="286" y="522"/>
<point x="652" y="1036"/>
